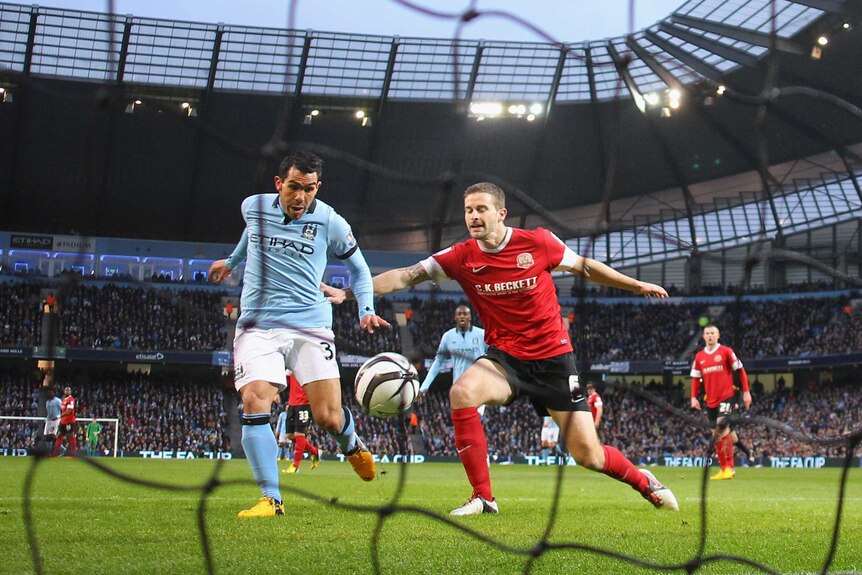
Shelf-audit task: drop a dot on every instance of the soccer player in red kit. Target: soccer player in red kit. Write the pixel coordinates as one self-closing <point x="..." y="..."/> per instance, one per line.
<point x="714" y="365"/>
<point x="506" y="274"/>
<point x="298" y="420"/>
<point x="596" y="406"/>
<point x="67" y="424"/>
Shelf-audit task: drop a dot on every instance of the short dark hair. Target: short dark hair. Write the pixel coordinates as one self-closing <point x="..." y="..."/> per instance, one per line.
<point x="488" y="188"/>
<point x="305" y="162"/>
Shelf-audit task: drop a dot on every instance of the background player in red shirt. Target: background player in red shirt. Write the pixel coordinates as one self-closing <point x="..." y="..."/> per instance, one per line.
<point x="506" y="274"/>
<point x="715" y="364"/>
<point x="596" y="406"/>
<point x="67" y="424"/>
<point x="298" y="420"/>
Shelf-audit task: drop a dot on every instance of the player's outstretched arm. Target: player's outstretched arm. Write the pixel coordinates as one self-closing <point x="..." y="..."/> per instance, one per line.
<point x="385" y="283"/>
<point x="603" y="274"/>
<point x="399" y="279"/>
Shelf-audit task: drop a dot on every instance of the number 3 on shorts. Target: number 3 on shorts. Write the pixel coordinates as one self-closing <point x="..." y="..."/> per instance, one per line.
<point x="327" y="350"/>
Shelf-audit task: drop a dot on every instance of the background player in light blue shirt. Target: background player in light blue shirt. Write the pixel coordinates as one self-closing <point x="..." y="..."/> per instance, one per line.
<point x="463" y="344"/>
<point x="285" y="320"/>
<point x="52" y="415"/>
<point x="281" y="435"/>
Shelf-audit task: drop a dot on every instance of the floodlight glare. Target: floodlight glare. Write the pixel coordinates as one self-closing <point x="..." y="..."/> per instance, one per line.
<point x="486" y="108"/>
<point x="531" y="117"/>
<point x="359" y="114"/>
<point x="721" y="89"/>
<point x="2" y="91"/>
<point x="822" y="40"/>
<point x="674" y="104"/>
<point x="536" y="109"/>
<point x="517" y="109"/>
<point x="315" y="112"/>
<point x="674" y="94"/>
<point x="138" y="102"/>
<point x="651" y="98"/>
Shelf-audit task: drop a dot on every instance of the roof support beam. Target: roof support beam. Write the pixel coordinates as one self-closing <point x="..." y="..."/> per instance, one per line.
<point x="741" y="34"/>
<point x="716" y="48"/>
<point x="690" y="60"/>
<point x="663" y="73"/>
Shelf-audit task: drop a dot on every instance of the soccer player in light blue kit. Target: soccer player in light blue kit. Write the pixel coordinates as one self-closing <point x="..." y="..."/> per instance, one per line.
<point x="285" y="320"/>
<point x="463" y="344"/>
<point x="281" y="435"/>
<point x="52" y="416"/>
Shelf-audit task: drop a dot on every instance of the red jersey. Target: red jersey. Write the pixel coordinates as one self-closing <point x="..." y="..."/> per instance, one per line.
<point x="716" y="369"/>
<point x="595" y="401"/>
<point x="512" y="290"/>
<point x="297" y="394"/>
<point x="68" y="403"/>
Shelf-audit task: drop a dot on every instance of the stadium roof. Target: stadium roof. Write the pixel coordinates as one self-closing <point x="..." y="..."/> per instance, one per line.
<point x="561" y="126"/>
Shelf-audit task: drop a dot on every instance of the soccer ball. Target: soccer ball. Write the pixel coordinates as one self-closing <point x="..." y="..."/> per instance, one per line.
<point x="386" y="385"/>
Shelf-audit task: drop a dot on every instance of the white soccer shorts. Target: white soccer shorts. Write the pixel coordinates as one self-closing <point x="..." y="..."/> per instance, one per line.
<point x="551" y="434"/>
<point x="51" y="426"/>
<point x="264" y="354"/>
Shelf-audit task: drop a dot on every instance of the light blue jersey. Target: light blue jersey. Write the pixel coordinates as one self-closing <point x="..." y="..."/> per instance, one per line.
<point x="549" y="422"/>
<point x="286" y="260"/>
<point x="281" y="424"/>
<point x="53" y="407"/>
<point x="462" y="347"/>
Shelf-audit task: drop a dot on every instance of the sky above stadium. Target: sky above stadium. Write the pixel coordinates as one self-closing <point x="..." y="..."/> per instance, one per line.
<point x="564" y="20"/>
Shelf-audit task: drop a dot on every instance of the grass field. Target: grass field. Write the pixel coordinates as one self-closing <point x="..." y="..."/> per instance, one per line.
<point x="88" y="522"/>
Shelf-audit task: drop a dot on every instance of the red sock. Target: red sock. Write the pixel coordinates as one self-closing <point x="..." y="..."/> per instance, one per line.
<point x="298" y="449"/>
<point x="58" y="443"/>
<point x="726" y="447"/>
<point x="472" y="446"/>
<point x="621" y="469"/>
<point x="310" y="448"/>
<point x="73" y="444"/>
<point x="719" y="450"/>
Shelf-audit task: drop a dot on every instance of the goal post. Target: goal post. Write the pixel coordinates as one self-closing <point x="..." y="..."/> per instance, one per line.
<point x="24" y="430"/>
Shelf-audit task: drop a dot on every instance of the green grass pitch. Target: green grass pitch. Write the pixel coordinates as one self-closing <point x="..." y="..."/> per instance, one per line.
<point x="88" y="522"/>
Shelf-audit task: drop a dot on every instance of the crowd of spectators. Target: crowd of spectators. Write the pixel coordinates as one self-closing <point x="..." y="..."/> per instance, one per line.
<point x="168" y="413"/>
<point x="352" y="339"/>
<point x="156" y="412"/>
<point x="119" y="316"/>
<point x="640" y="428"/>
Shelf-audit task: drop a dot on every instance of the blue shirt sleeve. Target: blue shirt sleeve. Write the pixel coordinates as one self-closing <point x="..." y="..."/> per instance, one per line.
<point x="436" y="365"/>
<point x="344" y="247"/>
<point x="239" y="252"/>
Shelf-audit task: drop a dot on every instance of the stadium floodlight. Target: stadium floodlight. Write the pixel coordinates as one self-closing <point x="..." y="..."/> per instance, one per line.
<point x="721" y="89"/>
<point x="822" y="40"/>
<point x="531" y="117"/>
<point x="518" y="109"/>
<point x="674" y="104"/>
<point x="487" y="109"/>
<point x="673" y="94"/>
<point x="535" y="109"/>
<point x="315" y="113"/>
<point x="359" y="114"/>
<point x="652" y="99"/>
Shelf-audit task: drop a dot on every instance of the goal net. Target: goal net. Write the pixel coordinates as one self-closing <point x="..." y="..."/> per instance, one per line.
<point x="24" y="435"/>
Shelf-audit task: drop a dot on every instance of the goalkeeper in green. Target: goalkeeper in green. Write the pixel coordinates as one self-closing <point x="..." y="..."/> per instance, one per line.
<point x="94" y="429"/>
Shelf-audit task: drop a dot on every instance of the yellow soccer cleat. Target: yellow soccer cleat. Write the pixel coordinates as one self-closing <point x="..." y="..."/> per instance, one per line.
<point x="291" y="469"/>
<point x="266" y="507"/>
<point x="726" y="473"/>
<point x="315" y="461"/>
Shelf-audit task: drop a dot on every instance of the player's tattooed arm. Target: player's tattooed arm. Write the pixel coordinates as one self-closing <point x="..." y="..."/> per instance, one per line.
<point x="399" y="279"/>
<point x="385" y="283"/>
